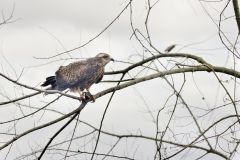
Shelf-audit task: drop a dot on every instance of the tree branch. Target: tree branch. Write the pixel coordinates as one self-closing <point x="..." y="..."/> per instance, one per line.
<point x="237" y="13"/>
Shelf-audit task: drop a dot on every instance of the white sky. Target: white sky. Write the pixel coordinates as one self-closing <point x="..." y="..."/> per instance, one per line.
<point x="45" y="28"/>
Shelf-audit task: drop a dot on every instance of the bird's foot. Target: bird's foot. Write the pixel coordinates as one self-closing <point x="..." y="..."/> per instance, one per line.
<point x="89" y="97"/>
<point x="82" y="99"/>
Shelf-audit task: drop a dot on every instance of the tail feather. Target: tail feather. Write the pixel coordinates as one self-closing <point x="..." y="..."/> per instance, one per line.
<point x="50" y="78"/>
<point x="50" y="81"/>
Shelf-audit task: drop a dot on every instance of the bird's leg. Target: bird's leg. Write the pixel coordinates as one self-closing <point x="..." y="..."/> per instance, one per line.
<point x="81" y="94"/>
<point x="89" y="95"/>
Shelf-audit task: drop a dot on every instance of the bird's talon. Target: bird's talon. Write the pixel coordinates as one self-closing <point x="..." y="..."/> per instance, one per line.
<point x="84" y="100"/>
<point x="93" y="99"/>
<point x="89" y="96"/>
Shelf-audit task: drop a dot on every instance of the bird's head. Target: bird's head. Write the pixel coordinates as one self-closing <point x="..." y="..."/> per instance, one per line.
<point x="104" y="57"/>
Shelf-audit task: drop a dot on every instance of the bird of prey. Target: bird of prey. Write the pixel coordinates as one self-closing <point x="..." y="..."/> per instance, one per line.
<point x="79" y="75"/>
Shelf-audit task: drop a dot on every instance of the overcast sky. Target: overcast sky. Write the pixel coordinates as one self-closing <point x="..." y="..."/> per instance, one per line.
<point x="43" y="28"/>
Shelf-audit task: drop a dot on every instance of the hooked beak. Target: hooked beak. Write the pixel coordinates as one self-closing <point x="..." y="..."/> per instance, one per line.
<point x="112" y="60"/>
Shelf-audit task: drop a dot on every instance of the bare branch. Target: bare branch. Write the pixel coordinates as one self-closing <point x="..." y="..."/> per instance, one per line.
<point x="92" y="39"/>
<point x="237" y="13"/>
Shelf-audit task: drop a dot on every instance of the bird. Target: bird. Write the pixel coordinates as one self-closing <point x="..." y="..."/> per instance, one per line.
<point x="79" y="76"/>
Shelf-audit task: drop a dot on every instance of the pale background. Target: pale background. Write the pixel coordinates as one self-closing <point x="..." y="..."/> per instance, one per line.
<point x="46" y="27"/>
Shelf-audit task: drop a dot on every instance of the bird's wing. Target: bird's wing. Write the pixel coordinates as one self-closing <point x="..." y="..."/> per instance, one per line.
<point x="100" y="77"/>
<point x="93" y="73"/>
<point x="81" y="73"/>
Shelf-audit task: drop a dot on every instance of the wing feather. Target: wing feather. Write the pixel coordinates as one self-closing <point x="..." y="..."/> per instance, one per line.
<point x="79" y="74"/>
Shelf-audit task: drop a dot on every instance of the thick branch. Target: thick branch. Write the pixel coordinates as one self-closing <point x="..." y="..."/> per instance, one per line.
<point x="237" y="14"/>
<point x="176" y="55"/>
<point x="44" y="125"/>
<point x="170" y="72"/>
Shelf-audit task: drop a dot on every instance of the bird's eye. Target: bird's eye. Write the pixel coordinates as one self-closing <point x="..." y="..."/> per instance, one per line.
<point x="105" y="56"/>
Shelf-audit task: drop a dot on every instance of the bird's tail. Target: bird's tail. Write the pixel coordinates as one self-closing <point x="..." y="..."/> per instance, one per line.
<point x="50" y="81"/>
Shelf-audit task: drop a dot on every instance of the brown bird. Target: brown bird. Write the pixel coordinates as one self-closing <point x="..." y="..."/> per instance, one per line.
<point x="79" y="75"/>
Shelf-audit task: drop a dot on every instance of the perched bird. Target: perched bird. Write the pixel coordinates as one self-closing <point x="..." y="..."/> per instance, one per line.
<point x="79" y="75"/>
